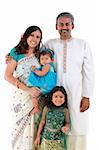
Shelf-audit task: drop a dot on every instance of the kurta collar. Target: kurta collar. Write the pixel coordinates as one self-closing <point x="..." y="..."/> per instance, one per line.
<point x="68" y="40"/>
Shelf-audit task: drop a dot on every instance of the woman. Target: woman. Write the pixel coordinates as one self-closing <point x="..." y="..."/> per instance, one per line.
<point x="24" y="55"/>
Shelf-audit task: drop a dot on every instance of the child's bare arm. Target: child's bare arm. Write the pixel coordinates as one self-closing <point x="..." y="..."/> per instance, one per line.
<point x="66" y="127"/>
<point x="44" y="71"/>
<point x="41" y="125"/>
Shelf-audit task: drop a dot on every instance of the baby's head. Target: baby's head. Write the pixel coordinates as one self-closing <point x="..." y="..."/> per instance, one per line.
<point x="46" y="56"/>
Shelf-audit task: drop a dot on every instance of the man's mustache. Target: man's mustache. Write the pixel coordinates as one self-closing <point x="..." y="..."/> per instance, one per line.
<point x="65" y="31"/>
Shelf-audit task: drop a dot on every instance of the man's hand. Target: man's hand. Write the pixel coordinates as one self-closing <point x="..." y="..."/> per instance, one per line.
<point x="85" y="103"/>
<point x="8" y="59"/>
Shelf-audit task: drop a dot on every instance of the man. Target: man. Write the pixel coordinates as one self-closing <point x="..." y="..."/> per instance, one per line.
<point x="74" y="67"/>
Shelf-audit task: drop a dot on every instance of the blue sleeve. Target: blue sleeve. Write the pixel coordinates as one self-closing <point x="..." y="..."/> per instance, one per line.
<point x="15" y="56"/>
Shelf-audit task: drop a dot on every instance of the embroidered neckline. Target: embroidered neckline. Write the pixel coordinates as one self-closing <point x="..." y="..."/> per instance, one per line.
<point x="68" y="40"/>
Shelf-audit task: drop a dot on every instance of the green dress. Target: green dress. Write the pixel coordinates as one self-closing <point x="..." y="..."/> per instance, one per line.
<point x="52" y="136"/>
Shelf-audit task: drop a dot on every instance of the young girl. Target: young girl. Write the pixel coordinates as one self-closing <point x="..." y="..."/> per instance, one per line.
<point x="55" y="121"/>
<point x="45" y="76"/>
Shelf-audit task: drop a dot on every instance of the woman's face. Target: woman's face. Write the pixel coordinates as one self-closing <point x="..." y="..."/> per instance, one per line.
<point x="34" y="39"/>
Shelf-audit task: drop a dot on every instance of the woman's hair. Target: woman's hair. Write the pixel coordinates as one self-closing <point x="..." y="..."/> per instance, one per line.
<point x="50" y="104"/>
<point x="46" y="51"/>
<point x="23" y="46"/>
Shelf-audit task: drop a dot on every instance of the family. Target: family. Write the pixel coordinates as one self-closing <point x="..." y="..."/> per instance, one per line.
<point x="60" y="73"/>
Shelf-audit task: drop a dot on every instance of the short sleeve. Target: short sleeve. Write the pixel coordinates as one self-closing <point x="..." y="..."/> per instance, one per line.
<point x="13" y="54"/>
<point x="16" y="56"/>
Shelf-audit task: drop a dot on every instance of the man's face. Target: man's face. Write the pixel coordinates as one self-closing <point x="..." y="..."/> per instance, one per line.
<point x="64" y="27"/>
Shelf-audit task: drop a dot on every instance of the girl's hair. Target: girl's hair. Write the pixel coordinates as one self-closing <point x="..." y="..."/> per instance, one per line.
<point x="22" y="46"/>
<point x="50" y="104"/>
<point x="45" y="51"/>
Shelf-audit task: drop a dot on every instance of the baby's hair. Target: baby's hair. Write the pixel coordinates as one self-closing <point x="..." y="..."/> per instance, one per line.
<point x="45" y="51"/>
<point x="49" y="97"/>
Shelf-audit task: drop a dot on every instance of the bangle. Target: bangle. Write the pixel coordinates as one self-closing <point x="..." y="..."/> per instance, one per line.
<point x="17" y="84"/>
<point x="34" y="69"/>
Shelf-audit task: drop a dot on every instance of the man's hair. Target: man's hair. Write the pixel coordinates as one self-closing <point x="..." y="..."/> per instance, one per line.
<point x="65" y="14"/>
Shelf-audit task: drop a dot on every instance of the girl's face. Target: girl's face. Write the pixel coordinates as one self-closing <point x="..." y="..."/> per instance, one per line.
<point x="34" y="39"/>
<point x="44" y="59"/>
<point x="58" y="98"/>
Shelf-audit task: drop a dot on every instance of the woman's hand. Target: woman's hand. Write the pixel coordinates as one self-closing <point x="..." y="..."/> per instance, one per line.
<point x="33" y="91"/>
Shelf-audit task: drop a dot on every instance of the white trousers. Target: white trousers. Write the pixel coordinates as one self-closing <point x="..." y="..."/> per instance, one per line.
<point x="75" y="142"/>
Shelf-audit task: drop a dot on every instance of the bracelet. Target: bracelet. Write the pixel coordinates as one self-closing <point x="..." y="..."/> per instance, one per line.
<point x="17" y="84"/>
<point x="34" y="69"/>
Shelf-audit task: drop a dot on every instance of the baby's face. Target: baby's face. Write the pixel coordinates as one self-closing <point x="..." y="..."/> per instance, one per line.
<point x="44" y="59"/>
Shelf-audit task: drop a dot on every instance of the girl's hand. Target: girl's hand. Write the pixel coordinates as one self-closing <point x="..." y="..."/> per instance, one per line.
<point x="33" y="68"/>
<point x="34" y="92"/>
<point x="65" y="129"/>
<point x="37" y="141"/>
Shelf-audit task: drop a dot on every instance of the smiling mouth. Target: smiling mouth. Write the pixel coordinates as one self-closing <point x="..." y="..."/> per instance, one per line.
<point x="33" y="42"/>
<point x="64" y="31"/>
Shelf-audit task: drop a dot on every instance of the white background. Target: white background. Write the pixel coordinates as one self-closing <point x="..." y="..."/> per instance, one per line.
<point x="15" y="17"/>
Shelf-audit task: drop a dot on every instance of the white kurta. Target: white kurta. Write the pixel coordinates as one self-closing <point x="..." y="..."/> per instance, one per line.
<point x="78" y="78"/>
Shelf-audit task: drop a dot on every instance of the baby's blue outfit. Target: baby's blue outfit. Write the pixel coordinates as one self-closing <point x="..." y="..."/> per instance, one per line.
<point x="45" y="83"/>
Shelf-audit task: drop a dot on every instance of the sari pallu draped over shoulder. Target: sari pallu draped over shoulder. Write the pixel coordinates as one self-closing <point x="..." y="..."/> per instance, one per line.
<point x="23" y="131"/>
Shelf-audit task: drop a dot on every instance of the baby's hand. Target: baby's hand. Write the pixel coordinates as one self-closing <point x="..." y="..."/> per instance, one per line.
<point x="65" y="129"/>
<point x="37" y="141"/>
<point x="33" y="68"/>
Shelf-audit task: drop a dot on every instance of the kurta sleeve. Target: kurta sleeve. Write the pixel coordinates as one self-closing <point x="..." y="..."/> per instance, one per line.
<point x="87" y="73"/>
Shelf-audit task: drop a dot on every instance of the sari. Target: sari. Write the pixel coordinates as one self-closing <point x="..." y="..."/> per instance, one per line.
<point x="23" y="130"/>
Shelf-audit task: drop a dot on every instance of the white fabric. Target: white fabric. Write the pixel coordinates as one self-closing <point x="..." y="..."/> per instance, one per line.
<point x="78" y="79"/>
<point x="76" y="142"/>
<point x="24" y="130"/>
